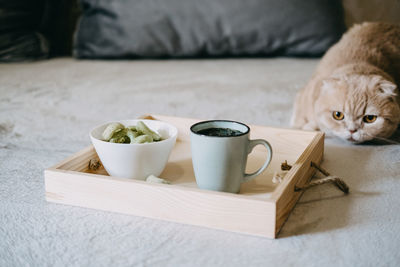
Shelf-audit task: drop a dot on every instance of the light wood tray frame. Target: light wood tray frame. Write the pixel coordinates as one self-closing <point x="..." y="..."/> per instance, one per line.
<point x="261" y="207"/>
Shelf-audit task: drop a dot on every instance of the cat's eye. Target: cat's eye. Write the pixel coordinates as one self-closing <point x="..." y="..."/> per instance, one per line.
<point x="369" y="118"/>
<point x="337" y="115"/>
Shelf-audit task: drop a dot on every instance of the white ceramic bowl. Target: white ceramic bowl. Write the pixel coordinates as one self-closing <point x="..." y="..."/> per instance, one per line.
<point x="136" y="161"/>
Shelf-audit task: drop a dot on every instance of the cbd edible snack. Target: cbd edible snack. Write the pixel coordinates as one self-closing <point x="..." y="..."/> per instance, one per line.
<point x="117" y="133"/>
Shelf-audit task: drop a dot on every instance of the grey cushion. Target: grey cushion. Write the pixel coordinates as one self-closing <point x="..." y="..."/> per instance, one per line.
<point x="20" y="38"/>
<point x="190" y="28"/>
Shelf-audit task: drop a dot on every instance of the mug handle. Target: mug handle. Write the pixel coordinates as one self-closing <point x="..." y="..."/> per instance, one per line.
<point x="252" y="144"/>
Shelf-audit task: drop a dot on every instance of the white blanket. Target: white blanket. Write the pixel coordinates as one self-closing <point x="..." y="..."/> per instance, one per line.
<point x="47" y="109"/>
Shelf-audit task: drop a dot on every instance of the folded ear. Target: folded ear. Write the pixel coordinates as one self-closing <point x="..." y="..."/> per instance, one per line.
<point x="387" y="88"/>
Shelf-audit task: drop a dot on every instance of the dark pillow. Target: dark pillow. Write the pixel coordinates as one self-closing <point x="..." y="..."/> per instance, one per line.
<point x="189" y="28"/>
<point x="36" y="29"/>
<point x="19" y="35"/>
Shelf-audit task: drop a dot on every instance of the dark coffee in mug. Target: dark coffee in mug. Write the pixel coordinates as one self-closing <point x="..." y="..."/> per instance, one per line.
<point x="220" y="132"/>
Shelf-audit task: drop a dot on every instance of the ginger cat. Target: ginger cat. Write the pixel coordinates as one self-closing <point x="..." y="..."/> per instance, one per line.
<point x="353" y="93"/>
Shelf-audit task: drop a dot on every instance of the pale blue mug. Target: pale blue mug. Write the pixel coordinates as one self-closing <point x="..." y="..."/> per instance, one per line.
<point x="219" y="162"/>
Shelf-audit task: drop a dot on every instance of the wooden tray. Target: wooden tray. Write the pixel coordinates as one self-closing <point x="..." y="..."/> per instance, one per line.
<point x="261" y="207"/>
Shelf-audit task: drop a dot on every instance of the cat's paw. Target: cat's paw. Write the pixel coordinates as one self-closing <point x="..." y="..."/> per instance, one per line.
<point x="310" y="126"/>
<point x="296" y="122"/>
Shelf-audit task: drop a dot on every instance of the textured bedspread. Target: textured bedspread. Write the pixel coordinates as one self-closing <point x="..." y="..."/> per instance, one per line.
<point x="47" y="109"/>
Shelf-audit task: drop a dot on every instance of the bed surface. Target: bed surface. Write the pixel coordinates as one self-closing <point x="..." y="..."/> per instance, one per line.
<point x="47" y="109"/>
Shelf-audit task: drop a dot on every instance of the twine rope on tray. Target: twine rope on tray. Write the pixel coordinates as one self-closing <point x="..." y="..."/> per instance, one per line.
<point x="338" y="182"/>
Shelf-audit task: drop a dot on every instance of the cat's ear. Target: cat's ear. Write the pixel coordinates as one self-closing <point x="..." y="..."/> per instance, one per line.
<point x="387" y="88"/>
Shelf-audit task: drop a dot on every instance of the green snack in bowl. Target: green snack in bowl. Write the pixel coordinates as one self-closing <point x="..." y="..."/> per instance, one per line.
<point x="143" y="139"/>
<point x="120" y="136"/>
<point x="117" y="133"/>
<point x="111" y="129"/>
<point x="141" y="127"/>
<point x="131" y="134"/>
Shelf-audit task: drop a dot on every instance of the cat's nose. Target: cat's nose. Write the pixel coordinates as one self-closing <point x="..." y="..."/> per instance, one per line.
<point x="353" y="131"/>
